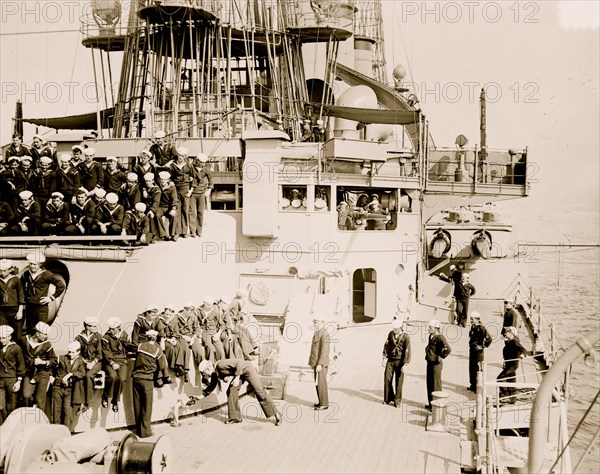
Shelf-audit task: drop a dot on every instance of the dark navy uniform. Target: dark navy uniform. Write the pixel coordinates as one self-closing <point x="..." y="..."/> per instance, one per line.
<point x="67" y="182"/>
<point x="12" y="366"/>
<point x="91" y="351"/>
<point x="142" y="325"/>
<point x="211" y="322"/>
<point x="42" y="184"/>
<point x="11" y="297"/>
<point x="112" y="217"/>
<point x="92" y="176"/>
<point x="437" y="349"/>
<point x="115" y="350"/>
<point x="30" y="215"/>
<point x="479" y="339"/>
<point x="6" y="217"/>
<point x="36" y="287"/>
<point x="512" y="352"/>
<point x="149" y="361"/>
<point x="38" y="373"/>
<point x="82" y="216"/>
<point x="56" y="219"/>
<point x="133" y="224"/>
<point x="247" y="373"/>
<point x="202" y="181"/>
<point x="397" y="351"/>
<point x="66" y="397"/>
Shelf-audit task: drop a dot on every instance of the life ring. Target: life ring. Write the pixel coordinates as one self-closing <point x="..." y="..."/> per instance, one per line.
<point x="440" y="243"/>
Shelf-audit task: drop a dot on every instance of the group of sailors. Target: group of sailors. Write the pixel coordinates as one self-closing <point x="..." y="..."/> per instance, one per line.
<point x="162" y="343"/>
<point x="164" y="195"/>
<point x="365" y="214"/>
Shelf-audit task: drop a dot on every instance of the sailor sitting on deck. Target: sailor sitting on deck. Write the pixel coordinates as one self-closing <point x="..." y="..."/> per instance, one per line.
<point x="176" y="348"/>
<point x="90" y="341"/>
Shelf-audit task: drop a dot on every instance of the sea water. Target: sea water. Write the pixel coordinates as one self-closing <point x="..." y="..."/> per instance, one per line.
<point x="568" y="282"/>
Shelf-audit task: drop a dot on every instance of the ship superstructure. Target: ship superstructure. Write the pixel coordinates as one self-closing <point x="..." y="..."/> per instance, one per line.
<point x="329" y="196"/>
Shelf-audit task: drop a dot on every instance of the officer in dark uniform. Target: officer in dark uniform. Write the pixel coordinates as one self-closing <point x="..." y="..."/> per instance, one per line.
<point x="319" y="361"/>
<point x="510" y="316"/>
<point x="241" y="371"/>
<point x="12" y="297"/>
<point x="396" y="353"/>
<point x="479" y="339"/>
<point x="466" y="290"/>
<point x="436" y="351"/>
<point x="149" y="361"/>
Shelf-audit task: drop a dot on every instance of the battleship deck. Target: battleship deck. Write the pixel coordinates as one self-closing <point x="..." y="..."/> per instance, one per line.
<point x="358" y="433"/>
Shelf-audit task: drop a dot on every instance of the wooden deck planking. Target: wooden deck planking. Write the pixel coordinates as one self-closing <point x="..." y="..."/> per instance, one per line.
<point x="361" y="435"/>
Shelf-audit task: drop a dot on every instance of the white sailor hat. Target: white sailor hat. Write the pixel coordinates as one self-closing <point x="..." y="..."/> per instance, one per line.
<point x="26" y="158"/>
<point x="99" y="192"/>
<point x="202" y="157"/>
<point x="91" y="321"/>
<point x="151" y="333"/>
<point x="65" y="158"/>
<point x="73" y="346"/>
<point x="396" y="324"/>
<point x="89" y="151"/>
<point x="77" y="147"/>
<point x="111" y="158"/>
<point x="204" y="365"/>
<point x="114" y="322"/>
<point x="46" y="160"/>
<point x="81" y="190"/>
<point x="182" y="151"/>
<point x="149" y="176"/>
<point x="151" y="307"/>
<point x="170" y="306"/>
<point x="39" y="137"/>
<point x="434" y="323"/>
<point x="510" y="329"/>
<point x="208" y="300"/>
<point x="160" y="134"/>
<point x="146" y="152"/>
<point x="35" y="258"/>
<point x="189" y="304"/>
<point x="42" y="328"/>
<point x="6" y="331"/>
<point x="164" y="175"/>
<point x="5" y="264"/>
<point x="452" y="267"/>
<point x="13" y="158"/>
<point x="132" y="177"/>
<point x="140" y="206"/>
<point x="475" y="316"/>
<point x="58" y="194"/>
<point x="112" y="198"/>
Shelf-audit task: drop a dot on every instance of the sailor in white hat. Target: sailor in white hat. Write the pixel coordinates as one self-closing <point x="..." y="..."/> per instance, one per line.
<point x="145" y="322"/>
<point x="56" y="215"/>
<point x="91" y="351"/>
<point x="212" y="325"/>
<point x="25" y="166"/>
<point x="201" y="186"/>
<point x="162" y="151"/>
<point x="189" y="327"/>
<point x="114" y="348"/>
<point x="110" y="216"/>
<point x="67" y="177"/>
<point x="68" y="390"/>
<point x="396" y="354"/>
<point x="91" y="172"/>
<point x="436" y="351"/>
<point x="149" y="362"/>
<point x="479" y="339"/>
<point x="136" y="223"/>
<point x="512" y="352"/>
<point x="27" y="215"/>
<point x="40" y="361"/>
<point x="36" y="285"/>
<point x="168" y="214"/>
<point x="12" y="370"/>
<point x="11" y="311"/>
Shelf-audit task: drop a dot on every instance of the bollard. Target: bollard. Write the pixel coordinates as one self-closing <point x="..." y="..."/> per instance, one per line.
<point x="438" y="412"/>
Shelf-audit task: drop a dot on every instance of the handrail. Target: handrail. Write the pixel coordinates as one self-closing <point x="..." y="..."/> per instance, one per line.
<point x="539" y="419"/>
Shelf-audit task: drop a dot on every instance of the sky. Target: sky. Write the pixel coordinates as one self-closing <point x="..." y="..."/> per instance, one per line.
<point x="538" y="61"/>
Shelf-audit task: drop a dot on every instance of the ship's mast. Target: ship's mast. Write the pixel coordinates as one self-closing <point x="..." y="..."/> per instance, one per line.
<point x="215" y="69"/>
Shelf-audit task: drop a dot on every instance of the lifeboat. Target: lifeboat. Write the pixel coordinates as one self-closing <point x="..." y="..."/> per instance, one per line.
<point x="440" y="243"/>
<point x="481" y="243"/>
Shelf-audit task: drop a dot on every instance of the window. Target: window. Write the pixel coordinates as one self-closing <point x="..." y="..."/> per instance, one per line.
<point x="362" y="209"/>
<point x="364" y="295"/>
<point x="293" y="198"/>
